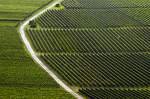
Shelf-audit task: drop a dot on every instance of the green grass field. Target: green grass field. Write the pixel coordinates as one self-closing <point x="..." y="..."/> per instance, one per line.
<point x="18" y="9"/>
<point x="20" y="77"/>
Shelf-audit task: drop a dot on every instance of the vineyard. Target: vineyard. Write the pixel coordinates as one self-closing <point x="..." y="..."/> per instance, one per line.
<point x="75" y="18"/>
<point x="105" y="4"/>
<point x="101" y="47"/>
<point x="107" y="40"/>
<point x="116" y="93"/>
<point x="101" y="70"/>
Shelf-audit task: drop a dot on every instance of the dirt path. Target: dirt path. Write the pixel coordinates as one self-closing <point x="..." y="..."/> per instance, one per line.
<point x="31" y="51"/>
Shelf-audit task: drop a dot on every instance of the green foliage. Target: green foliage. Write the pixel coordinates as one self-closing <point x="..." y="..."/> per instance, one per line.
<point x="32" y="24"/>
<point x="57" y="5"/>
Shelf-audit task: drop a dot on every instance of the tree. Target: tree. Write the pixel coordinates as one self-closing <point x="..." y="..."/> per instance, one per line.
<point x="57" y="5"/>
<point x="32" y="24"/>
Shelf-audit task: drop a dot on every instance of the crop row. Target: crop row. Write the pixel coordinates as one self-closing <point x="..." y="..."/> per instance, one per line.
<point x="105" y="93"/>
<point x="110" y="40"/>
<point x="104" y="3"/>
<point x="141" y="14"/>
<point x="102" y="70"/>
<point x="83" y="18"/>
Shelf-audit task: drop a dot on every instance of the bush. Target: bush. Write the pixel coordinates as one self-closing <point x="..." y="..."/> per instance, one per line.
<point x="32" y="24"/>
<point x="57" y="5"/>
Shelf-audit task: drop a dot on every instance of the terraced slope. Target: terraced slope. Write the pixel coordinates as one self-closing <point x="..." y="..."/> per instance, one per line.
<point x="20" y="76"/>
<point x="100" y="47"/>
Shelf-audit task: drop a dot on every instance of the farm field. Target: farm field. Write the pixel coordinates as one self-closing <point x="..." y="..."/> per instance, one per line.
<point x="105" y="4"/>
<point x="18" y="9"/>
<point x="101" y="47"/>
<point x="20" y="76"/>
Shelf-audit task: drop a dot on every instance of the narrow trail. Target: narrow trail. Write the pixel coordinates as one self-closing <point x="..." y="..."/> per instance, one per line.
<point x="33" y="54"/>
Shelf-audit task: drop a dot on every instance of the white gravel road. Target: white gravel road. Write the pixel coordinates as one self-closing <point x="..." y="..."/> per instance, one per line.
<point x="33" y="54"/>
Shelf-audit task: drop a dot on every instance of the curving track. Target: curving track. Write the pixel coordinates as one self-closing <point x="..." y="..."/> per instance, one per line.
<point x="33" y="54"/>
